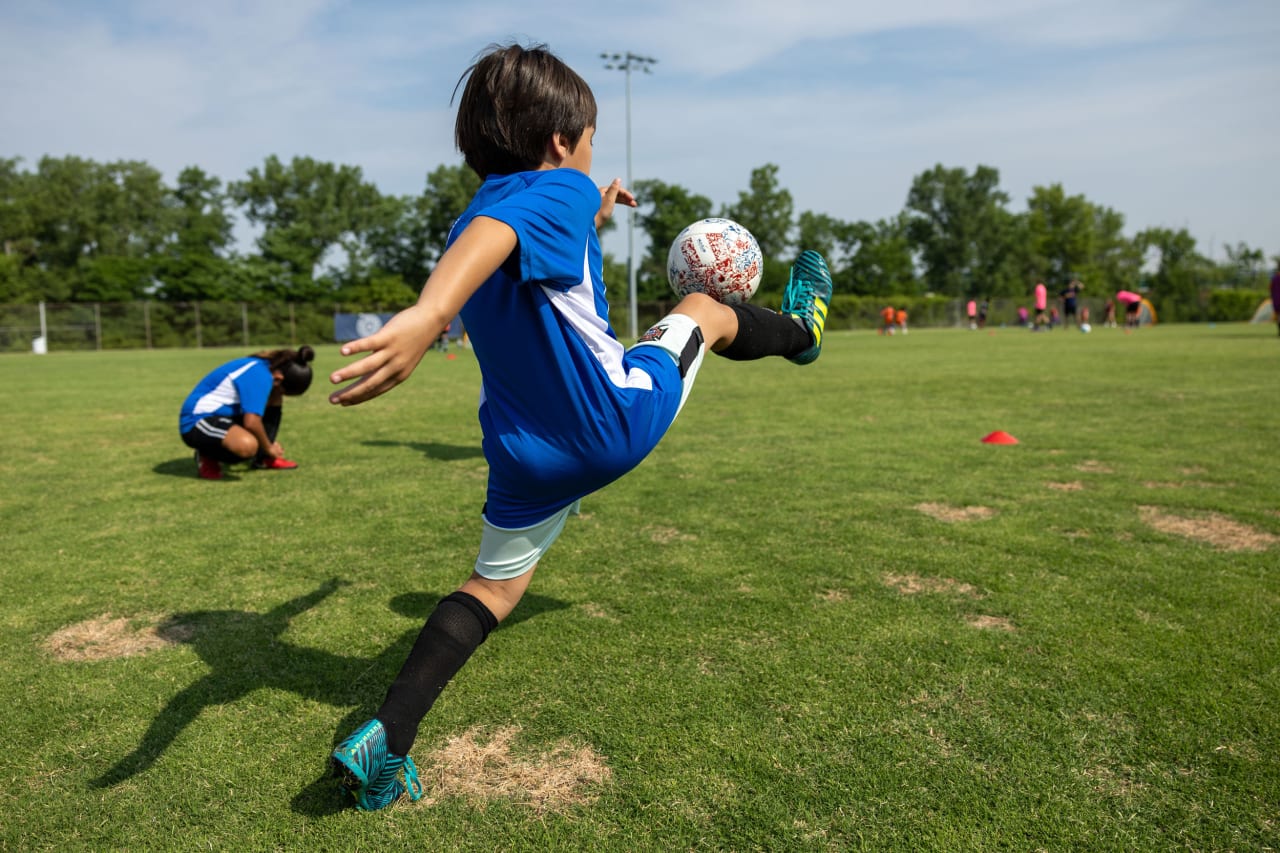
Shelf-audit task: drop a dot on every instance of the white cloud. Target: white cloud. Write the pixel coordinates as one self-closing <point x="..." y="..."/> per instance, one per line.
<point x="1161" y="110"/>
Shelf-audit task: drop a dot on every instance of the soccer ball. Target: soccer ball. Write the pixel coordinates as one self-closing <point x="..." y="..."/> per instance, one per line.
<point x="1086" y="328"/>
<point x="717" y="257"/>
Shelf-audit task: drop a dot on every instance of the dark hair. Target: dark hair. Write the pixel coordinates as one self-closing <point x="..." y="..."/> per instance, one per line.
<point x="515" y="99"/>
<point x="294" y="364"/>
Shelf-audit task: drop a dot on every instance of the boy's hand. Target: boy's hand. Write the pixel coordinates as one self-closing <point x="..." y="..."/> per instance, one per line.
<point x="394" y="352"/>
<point x="611" y="195"/>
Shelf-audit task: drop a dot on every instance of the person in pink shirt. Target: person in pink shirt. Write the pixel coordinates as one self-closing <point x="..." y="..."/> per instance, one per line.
<point x="1042" y="305"/>
<point x="1132" y="307"/>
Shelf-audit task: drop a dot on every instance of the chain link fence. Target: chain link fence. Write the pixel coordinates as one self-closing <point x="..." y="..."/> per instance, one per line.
<point x="50" y="327"/>
<point x="154" y="325"/>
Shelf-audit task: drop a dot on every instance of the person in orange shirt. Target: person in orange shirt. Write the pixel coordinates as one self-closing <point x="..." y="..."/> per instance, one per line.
<point x="887" y="317"/>
<point x="902" y="320"/>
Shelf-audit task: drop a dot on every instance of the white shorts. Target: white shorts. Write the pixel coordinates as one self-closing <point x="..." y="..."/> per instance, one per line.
<point x="508" y="553"/>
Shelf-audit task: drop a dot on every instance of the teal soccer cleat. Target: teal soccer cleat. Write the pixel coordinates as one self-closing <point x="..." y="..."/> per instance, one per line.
<point x="371" y="774"/>
<point x="806" y="298"/>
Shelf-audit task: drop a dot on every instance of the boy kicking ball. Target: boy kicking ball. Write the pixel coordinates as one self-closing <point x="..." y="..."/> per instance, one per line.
<point x="565" y="409"/>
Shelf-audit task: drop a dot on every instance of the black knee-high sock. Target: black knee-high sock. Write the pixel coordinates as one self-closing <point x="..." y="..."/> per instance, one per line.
<point x="762" y="333"/>
<point x="455" y="629"/>
<point x="271" y="421"/>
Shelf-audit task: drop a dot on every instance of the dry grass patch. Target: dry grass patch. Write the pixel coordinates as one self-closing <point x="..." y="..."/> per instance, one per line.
<point x="914" y="585"/>
<point x="1183" y="484"/>
<point x="105" y="637"/>
<point x="945" y="512"/>
<point x="1073" y="486"/>
<point x="989" y="623"/>
<point x="667" y="535"/>
<point x="1093" y="466"/>
<point x="1211" y="528"/>
<point x="595" y="611"/>
<point x="1110" y="783"/>
<point x="557" y="779"/>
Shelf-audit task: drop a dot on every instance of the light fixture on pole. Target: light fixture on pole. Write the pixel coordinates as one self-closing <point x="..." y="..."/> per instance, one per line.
<point x="628" y="62"/>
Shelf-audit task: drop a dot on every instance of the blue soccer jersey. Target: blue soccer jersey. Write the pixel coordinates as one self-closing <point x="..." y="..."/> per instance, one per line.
<point x="239" y="386"/>
<point x="565" y="409"/>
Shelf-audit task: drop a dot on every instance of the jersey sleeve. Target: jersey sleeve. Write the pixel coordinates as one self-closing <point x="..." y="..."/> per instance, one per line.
<point x="254" y="386"/>
<point x="552" y="218"/>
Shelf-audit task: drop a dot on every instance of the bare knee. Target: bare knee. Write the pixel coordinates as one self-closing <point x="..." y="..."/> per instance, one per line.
<point x="500" y="596"/>
<point x="240" y="442"/>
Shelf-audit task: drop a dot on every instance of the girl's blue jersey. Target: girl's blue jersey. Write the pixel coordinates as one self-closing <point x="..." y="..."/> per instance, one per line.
<point x="565" y="409"/>
<point x="239" y="386"/>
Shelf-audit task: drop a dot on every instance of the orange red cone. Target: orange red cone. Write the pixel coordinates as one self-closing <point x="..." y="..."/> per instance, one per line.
<point x="999" y="437"/>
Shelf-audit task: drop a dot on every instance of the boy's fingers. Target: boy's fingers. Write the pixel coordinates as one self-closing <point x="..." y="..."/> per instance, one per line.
<point x="352" y="394"/>
<point x="376" y="377"/>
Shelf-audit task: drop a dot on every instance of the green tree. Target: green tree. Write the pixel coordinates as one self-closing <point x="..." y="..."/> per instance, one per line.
<point x="1175" y="285"/>
<point x="17" y="245"/>
<point x="1069" y="237"/>
<point x="1117" y="260"/>
<point x="194" y="262"/>
<point x="963" y="233"/>
<point x="1059" y="234"/>
<point x="825" y="235"/>
<point x="879" y="260"/>
<point x="865" y="258"/>
<point x="409" y="235"/>
<point x="448" y="192"/>
<point x="94" y="229"/>
<point x="766" y="210"/>
<point x="306" y="209"/>
<point x="1244" y="267"/>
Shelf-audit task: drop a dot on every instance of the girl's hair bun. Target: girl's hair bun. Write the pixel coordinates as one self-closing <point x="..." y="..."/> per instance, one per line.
<point x="297" y="373"/>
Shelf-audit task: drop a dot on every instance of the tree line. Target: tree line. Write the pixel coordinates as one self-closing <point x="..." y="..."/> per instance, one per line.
<point x="76" y="230"/>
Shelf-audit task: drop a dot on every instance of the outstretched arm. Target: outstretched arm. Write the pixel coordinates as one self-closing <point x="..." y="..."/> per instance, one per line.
<point x="396" y="348"/>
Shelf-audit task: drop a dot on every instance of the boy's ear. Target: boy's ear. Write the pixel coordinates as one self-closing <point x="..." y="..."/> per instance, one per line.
<point x="558" y="148"/>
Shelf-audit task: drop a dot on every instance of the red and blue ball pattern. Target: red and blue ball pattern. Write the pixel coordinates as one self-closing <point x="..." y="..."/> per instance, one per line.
<point x="717" y="257"/>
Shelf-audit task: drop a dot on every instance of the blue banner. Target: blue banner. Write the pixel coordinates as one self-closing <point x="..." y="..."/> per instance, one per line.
<point x="348" y="327"/>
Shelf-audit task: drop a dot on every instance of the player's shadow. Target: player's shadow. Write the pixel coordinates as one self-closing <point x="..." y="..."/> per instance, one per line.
<point x="186" y="469"/>
<point x="434" y="450"/>
<point x="244" y="653"/>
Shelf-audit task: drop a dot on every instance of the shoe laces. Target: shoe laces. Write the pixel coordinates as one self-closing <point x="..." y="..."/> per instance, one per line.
<point x="801" y="289"/>
<point x="411" y="783"/>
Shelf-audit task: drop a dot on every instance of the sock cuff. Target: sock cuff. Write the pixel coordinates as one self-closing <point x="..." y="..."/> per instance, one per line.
<point x="483" y="614"/>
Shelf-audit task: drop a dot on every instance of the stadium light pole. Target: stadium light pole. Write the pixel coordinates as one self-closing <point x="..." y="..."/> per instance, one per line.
<point x="626" y="63"/>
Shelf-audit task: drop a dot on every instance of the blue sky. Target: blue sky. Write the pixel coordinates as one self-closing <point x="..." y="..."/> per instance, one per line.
<point x="1167" y="111"/>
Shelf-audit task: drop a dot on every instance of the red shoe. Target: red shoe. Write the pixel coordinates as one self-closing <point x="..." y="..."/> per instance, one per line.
<point x="275" y="464"/>
<point x="209" y="469"/>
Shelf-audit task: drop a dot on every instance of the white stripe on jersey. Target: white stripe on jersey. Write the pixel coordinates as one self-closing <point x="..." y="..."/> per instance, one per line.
<point x="224" y="395"/>
<point x="577" y="306"/>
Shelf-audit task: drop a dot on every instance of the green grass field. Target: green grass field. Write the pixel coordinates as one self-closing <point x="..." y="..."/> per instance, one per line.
<point x="823" y="615"/>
